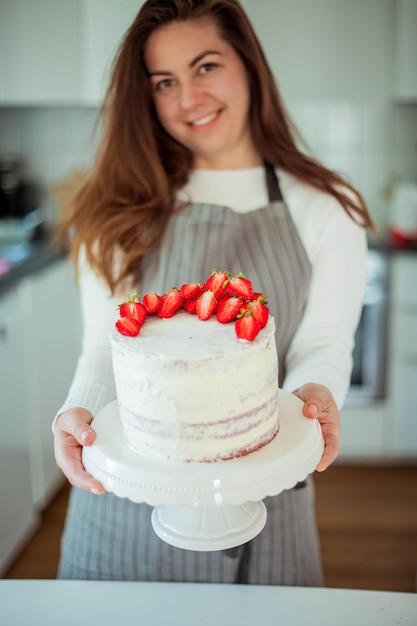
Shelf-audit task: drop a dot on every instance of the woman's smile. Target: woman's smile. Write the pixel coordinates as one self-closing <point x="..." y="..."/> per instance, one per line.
<point x="206" y="120"/>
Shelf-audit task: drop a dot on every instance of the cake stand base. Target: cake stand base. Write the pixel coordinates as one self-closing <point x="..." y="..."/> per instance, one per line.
<point x="206" y="506"/>
<point x="209" y="528"/>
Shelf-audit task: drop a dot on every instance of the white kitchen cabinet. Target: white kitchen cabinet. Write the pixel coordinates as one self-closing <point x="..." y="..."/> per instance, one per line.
<point x="363" y="432"/>
<point x="52" y="345"/>
<point x="56" y="52"/>
<point x="18" y="516"/>
<point x="40" y="336"/>
<point x="402" y="379"/>
<point x="406" y="50"/>
<point x="39" y="52"/>
<point x="102" y="26"/>
<point x="388" y="429"/>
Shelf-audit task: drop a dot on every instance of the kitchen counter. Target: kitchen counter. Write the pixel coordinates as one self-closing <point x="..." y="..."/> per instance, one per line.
<point x="386" y="244"/>
<point x="70" y="603"/>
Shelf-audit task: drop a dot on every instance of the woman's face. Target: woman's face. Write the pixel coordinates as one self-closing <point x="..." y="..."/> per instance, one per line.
<point x="201" y="93"/>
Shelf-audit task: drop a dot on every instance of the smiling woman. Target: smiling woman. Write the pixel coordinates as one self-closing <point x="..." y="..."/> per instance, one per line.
<point x="200" y="168"/>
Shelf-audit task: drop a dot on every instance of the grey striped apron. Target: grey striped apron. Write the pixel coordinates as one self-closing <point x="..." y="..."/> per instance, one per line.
<point x="111" y="538"/>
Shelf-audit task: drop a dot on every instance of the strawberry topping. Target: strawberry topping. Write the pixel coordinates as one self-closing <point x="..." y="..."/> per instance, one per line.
<point x="260" y="312"/>
<point x="190" y="291"/>
<point x="171" y="302"/>
<point x="133" y="309"/>
<point x="246" y="326"/>
<point x="151" y="302"/>
<point x="206" y="305"/>
<point x="231" y="298"/>
<point x="228" y="309"/>
<point x="128" y="326"/>
<point x="241" y="286"/>
<point x="190" y="305"/>
<point x="217" y="283"/>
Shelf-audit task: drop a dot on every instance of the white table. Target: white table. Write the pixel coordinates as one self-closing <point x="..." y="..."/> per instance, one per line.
<point x="75" y="603"/>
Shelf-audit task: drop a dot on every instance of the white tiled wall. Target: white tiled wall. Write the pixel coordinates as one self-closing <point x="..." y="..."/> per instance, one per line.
<point x="53" y="141"/>
<point x="371" y="143"/>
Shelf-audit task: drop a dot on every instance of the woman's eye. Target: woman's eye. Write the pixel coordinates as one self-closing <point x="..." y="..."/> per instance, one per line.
<point x="164" y="84"/>
<point x="207" y="67"/>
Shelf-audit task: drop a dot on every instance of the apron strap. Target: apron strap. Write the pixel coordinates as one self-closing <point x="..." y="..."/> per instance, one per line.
<point x="274" y="191"/>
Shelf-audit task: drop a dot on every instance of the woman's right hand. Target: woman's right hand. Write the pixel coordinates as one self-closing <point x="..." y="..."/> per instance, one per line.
<point x="72" y="432"/>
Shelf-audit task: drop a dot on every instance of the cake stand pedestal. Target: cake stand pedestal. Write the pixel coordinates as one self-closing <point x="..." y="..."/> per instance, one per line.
<point x="206" y="506"/>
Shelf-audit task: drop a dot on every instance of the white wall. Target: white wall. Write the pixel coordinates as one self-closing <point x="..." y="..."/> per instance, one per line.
<point x="334" y="62"/>
<point x="325" y="49"/>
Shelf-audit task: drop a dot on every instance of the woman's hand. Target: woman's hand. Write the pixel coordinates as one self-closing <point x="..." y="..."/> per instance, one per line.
<point x="72" y="432"/>
<point x="319" y="404"/>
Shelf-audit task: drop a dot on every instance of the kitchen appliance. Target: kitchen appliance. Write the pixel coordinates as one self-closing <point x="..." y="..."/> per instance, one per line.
<point x="368" y="378"/>
<point x="20" y="215"/>
<point x="18" y="196"/>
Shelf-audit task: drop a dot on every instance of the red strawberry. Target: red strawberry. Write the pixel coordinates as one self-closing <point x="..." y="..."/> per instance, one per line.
<point x="217" y="283"/>
<point x="228" y="309"/>
<point x="151" y="302"/>
<point x="206" y="305"/>
<point x="260" y="311"/>
<point x="190" y="291"/>
<point x="128" y="326"/>
<point x="241" y="286"/>
<point x="246" y="326"/>
<point x="133" y="309"/>
<point x="190" y="305"/>
<point x="170" y="302"/>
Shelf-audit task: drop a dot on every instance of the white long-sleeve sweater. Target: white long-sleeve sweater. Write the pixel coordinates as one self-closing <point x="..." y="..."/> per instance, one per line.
<point x="322" y="346"/>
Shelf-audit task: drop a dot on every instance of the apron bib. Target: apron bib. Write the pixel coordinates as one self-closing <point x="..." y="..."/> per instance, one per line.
<point x="263" y="244"/>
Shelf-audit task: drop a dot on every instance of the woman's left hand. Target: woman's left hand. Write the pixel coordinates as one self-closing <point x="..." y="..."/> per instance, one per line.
<point x="319" y="404"/>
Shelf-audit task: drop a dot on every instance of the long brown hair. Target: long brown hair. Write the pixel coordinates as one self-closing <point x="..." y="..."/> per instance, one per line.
<point x="130" y="194"/>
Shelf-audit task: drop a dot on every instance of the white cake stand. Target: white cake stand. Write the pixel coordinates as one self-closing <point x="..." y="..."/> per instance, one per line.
<point x="206" y="506"/>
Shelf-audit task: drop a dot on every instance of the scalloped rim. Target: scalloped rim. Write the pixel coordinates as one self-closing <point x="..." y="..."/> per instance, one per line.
<point x="286" y="460"/>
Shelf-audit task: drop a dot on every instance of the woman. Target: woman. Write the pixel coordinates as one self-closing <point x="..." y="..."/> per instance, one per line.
<point x="199" y="168"/>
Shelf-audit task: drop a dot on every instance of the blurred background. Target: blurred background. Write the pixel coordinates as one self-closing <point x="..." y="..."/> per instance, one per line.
<point x="347" y="70"/>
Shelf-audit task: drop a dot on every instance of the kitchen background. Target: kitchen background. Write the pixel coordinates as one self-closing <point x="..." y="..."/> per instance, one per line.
<point x="341" y="67"/>
<point x="347" y="70"/>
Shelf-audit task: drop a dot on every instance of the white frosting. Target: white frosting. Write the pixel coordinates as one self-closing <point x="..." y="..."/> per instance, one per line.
<point x="191" y="390"/>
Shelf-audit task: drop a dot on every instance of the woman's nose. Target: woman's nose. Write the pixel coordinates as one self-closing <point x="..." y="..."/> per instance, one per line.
<point x="190" y="96"/>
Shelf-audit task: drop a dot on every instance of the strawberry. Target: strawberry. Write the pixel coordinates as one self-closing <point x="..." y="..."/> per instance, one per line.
<point x="170" y="302"/>
<point x="190" y="291"/>
<point x="206" y="305"/>
<point x="128" y="326"/>
<point x="228" y="309"/>
<point x="133" y="309"/>
<point x="217" y="283"/>
<point x="151" y="302"/>
<point x="246" y="326"/>
<point x="260" y="311"/>
<point x="190" y="305"/>
<point x="241" y="286"/>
